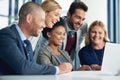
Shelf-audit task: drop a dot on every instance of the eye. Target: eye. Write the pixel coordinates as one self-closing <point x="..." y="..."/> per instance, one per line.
<point x="100" y="33"/>
<point x="93" y="32"/>
<point x="57" y="14"/>
<point x="79" y="17"/>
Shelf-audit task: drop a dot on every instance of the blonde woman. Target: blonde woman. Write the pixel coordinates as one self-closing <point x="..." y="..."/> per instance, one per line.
<point x="92" y="54"/>
<point x="53" y="12"/>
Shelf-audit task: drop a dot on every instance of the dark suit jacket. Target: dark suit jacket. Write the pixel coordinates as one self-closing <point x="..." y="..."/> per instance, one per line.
<point x="13" y="57"/>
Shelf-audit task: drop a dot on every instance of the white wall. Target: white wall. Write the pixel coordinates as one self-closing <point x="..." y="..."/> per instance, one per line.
<point x="97" y="10"/>
<point x="65" y="4"/>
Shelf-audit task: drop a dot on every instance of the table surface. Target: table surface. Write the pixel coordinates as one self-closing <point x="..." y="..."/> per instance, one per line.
<point x="75" y="75"/>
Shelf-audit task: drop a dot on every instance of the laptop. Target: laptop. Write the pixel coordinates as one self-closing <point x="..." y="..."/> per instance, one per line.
<point x="111" y="59"/>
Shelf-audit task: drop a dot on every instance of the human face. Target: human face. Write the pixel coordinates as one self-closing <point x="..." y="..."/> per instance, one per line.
<point x="52" y="17"/>
<point x="38" y="23"/>
<point x="76" y="19"/>
<point x="57" y="36"/>
<point x="97" y="35"/>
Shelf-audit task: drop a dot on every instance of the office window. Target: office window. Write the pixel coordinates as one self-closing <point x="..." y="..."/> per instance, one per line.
<point x="114" y="20"/>
<point x="9" y="11"/>
<point x="4" y="13"/>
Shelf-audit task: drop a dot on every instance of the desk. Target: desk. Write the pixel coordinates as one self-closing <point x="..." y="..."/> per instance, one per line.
<point x="75" y="75"/>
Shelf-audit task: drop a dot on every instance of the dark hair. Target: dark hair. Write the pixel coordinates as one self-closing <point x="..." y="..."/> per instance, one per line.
<point x="45" y="30"/>
<point x="77" y="5"/>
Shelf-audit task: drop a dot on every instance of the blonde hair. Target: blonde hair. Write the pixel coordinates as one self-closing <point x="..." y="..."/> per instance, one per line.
<point x="96" y="23"/>
<point x="50" y="5"/>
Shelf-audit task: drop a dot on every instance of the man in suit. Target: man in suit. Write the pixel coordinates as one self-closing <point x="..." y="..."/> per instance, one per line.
<point x="14" y="58"/>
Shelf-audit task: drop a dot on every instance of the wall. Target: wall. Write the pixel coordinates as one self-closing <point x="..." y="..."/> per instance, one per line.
<point x="97" y="10"/>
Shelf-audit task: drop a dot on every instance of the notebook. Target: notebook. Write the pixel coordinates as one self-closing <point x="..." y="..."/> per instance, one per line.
<point x="111" y="59"/>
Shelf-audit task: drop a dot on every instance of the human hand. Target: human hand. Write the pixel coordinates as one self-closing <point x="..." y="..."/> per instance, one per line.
<point x="84" y="67"/>
<point x="95" y="67"/>
<point x="64" y="68"/>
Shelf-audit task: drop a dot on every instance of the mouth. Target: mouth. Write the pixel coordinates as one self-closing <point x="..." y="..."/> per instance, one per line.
<point x="96" y="39"/>
<point x="53" y="22"/>
<point x="76" y="26"/>
<point x="61" y="41"/>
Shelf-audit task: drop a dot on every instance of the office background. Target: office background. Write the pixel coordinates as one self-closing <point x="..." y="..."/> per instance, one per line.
<point x="107" y="11"/>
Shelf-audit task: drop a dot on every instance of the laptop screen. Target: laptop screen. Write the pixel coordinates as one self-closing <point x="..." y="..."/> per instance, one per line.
<point x="111" y="58"/>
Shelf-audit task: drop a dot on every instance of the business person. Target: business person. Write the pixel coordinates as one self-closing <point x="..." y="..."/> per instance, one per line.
<point x="91" y="55"/>
<point x="76" y="29"/>
<point x="53" y="11"/>
<point x="51" y="54"/>
<point x="15" y="59"/>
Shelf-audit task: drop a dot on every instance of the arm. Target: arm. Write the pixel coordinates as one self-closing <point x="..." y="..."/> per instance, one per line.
<point x="95" y="67"/>
<point x="12" y="54"/>
<point x="84" y="66"/>
<point x="44" y="57"/>
<point x="87" y="59"/>
<point x="81" y="57"/>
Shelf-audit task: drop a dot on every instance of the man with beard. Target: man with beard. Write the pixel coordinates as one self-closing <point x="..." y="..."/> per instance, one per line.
<point x="76" y="30"/>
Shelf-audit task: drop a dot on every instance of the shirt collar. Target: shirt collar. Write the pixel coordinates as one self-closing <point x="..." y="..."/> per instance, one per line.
<point x="22" y="36"/>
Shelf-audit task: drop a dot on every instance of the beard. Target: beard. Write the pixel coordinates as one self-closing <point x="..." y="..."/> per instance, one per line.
<point x="70" y="24"/>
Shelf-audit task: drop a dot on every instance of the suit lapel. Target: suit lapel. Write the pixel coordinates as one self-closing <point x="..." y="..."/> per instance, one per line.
<point x="20" y="42"/>
<point x="53" y="55"/>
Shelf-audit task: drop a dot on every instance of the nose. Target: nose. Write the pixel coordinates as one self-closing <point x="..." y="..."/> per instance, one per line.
<point x="58" y="18"/>
<point x="80" y="21"/>
<point x="96" y="34"/>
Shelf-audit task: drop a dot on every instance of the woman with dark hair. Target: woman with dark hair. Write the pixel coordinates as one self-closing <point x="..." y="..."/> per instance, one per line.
<point x="51" y="54"/>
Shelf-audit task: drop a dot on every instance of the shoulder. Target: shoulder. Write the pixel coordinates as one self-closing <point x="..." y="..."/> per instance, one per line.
<point x="44" y="51"/>
<point x="85" y="49"/>
<point x="63" y="18"/>
<point x="84" y="27"/>
<point x="9" y="31"/>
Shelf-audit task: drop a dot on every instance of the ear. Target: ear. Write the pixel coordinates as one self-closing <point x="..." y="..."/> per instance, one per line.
<point x="68" y="15"/>
<point x="48" y="34"/>
<point x="29" y="18"/>
<point x="46" y="13"/>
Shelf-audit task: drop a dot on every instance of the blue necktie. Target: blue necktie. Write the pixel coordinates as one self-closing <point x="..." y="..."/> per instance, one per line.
<point x="29" y="49"/>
